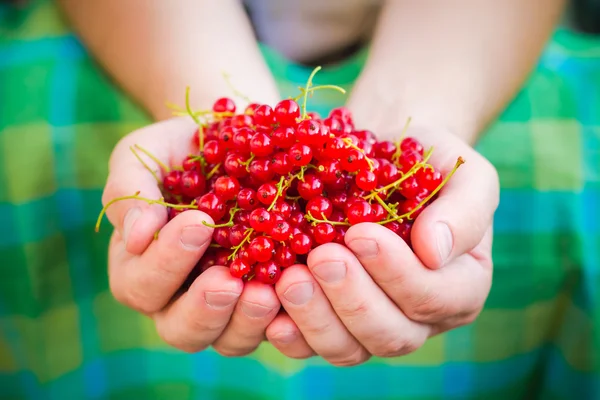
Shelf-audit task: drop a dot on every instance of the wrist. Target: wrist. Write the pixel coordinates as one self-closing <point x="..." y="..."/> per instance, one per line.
<point x="384" y="107"/>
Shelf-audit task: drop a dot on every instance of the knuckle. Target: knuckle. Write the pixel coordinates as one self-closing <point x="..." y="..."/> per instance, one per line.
<point x="428" y="306"/>
<point x="233" y="351"/>
<point x="317" y="328"/>
<point x="132" y="297"/>
<point x="356" y="357"/>
<point x="353" y="309"/>
<point x="177" y="339"/>
<point x="395" y="347"/>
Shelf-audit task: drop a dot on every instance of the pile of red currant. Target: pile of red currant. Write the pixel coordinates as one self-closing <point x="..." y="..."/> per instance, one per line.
<point x="279" y="181"/>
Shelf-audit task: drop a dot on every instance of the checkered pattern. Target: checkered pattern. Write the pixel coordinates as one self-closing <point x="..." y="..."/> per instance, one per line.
<point x="62" y="336"/>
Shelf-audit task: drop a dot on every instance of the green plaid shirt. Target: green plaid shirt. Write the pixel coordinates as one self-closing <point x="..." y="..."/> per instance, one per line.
<point x="62" y="335"/>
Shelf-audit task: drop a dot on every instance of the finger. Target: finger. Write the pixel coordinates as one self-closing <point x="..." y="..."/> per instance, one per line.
<point x="456" y="291"/>
<point x="148" y="282"/>
<point x="136" y="220"/>
<point x="255" y="310"/>
<point x="199" y="316"/>
<point x="457" y="220"/>
<point x="285" y="336"/>
<point x="308" y="307"/>
<point x="363" y="307"/>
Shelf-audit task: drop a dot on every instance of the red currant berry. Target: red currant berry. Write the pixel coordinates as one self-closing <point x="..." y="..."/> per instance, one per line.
<point x="261" y="145"/>
<point x="221" y="237"/>
<point x="410" y="188"/>
<point x="301" y="243"/>
<point x="366" y="180"/>
<point x="283" y="208"/>
<point x="247" y="199"/>
<point x="429" y="178"/>
<point x="340" y="233"/>
<point x="191" y="163"/>
<point x="239" y="268"/>
<point x="408" y="159"/>
<point x="300" y="155"/>
<point x="411" y="144"/>
<point x="261" y="248"/>
<point x="212" y="205"/>
<point x="235" y="165"/>
<point x="329" y="171"/>
<point x="237" y="234"/>
<point x="335" y="148"/>
<point x="296" y="218"/>
<point x="172" y="182"/>
<point x="261" y="170"/>
<point x="284" y="256"/>
<point x="226" y="187"/>
<point x="267" y="193"/>
<point x="358" y="212"/>
<point x="286" y="112"/>
<point x="281" y="231"/>
<point x="281" y="164"/>
<point x="263" y="115"/>
<point x="223" y="105"/>
<point x="310" y="187"/>
<point x="319" y="207"/>
<point x="324" y="233"/>
<point x="284" y="137"/>
<point x="388" y="173"/>
<point x="353" y="160"/>
<point x="261" y="220"/>
<point x="214" y="152"/>
<point x="309" y="132"/>
<point x="267" y="272"/>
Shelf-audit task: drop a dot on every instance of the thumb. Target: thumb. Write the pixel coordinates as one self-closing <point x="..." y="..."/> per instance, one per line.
<point x="458" y="219"/>
<point x="136" y="220"/>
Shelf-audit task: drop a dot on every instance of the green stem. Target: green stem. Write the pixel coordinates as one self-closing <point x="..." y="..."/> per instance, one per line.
<point x="135" y="153"/>
<point x="136" y="196"/>
<point x="153" y="158"/>
<point x="308" y="85"/>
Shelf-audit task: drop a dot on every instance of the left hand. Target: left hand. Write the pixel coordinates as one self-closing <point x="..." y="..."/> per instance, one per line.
<point x="378" y="298"/>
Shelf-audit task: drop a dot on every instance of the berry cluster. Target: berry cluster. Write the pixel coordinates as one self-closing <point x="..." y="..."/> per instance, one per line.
<point x="279" y="181"/>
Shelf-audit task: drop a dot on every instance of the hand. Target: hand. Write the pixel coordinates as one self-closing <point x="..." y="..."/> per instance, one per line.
<point x="146" y="274"/>
<point x="378" y="297"/>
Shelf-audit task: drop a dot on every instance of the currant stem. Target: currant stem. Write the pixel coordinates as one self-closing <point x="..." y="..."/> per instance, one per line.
<point x="408" y="215"/>
<point x="398" y="152"/>
<point x="228" y="223"/>
<point x="394" y="185"/>
<point x="236" y="248"/>
<point x="236" y="92"/>
<point x="353" y="146"/>
<point x="194" y="117"/>
<point x="314" y="221"/>
<point x="308" y="85"/>
<point x="213" y="171"/>
<point x="135" y="153"/>
<point x="153" y="158"/>
<point x="385" y="206"/>
<point x="278" y="195"/>
<point x="136" y="196"/>
<point x="313" y="89"/>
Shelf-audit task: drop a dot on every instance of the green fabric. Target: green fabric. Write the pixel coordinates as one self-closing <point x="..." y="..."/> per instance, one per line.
<point x="62" y="335"/>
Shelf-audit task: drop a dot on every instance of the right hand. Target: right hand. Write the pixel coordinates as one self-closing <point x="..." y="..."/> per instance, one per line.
<point x="146" y="274"/>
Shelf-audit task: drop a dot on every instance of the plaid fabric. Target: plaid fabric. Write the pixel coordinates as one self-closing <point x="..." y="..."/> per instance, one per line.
<point x="62" y="336"/>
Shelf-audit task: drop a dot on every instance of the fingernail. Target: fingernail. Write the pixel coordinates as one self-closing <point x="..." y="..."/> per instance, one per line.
<point x="220" y="299"/>
<point x="286" y="337"/>
<point x="299" y="293"/>
<point x="194" y="237"/>
<point x="254" y="310"/>
<point x="130" y="218"/>
<point x="330" y="272"/>
<point x="364" y="248"/>
<point x="444" y="240"/>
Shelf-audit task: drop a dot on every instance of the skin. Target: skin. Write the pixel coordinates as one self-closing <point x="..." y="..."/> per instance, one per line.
<point x="347" y="304"/>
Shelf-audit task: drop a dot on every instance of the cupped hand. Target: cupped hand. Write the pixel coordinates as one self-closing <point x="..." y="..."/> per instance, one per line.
<point x="147" y="273"/>
<point x="377" y="297"/>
